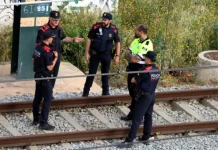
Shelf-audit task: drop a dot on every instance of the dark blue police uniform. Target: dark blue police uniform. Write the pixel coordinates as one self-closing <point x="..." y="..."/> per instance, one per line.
<point x="43" y="57"/>
<point x="102" y="39"/>
<point x="144" y="102"/>
<point x="131" y="86"/>
<point x="56" y="43"/>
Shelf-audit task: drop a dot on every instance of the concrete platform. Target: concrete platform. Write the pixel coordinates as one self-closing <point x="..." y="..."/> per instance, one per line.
<point x="62" y="85"/>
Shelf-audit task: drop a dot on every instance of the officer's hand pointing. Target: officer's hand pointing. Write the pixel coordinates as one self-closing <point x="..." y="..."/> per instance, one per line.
<point x="78" y="39"/>
<point x="55" y="54"/>
<point x="87" y="56"/>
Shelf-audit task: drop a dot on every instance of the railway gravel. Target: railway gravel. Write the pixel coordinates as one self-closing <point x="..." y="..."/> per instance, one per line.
<point x="22" y="123"/>
<point x="85" y="119"/>
<point x="4" y="132"/>
<point x="51" y="147"/>
<point x="61" y="125"/>
<point x="178" y="116"/>
<point x="112" y="115"/>
<point x="113" y="91"/>
<point x="158" y="119"/>
<point x="207" y="112"/>
<point x="209" y="142"/>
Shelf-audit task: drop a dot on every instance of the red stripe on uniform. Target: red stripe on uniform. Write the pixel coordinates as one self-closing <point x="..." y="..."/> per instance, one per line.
<point x="148" y="68"/>
<point x="47" y="49"/>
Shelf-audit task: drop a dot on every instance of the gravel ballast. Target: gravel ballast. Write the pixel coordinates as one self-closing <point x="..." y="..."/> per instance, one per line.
<point x="178" y="116"/>
<point x="23" y="124"/>
<point x="209" y="142"/>
<point x="85" y="119"/>
<point x="207" y="112"/>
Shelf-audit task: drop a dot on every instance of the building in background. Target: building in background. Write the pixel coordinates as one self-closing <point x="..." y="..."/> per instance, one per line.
<point x="6" y="12"/>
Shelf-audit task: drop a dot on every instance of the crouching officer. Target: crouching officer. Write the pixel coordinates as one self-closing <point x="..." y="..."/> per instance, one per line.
<point x="146" y="84"/>
<point x="44" y="60"/>
<point x="99" y="49"/>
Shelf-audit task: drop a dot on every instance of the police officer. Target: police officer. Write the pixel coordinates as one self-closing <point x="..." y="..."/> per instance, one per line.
<point x="134" y="55"/>
<point x="146" y="84"/>
<point x="44" y="60"/>
<point x="54" y="26"/>
<point x="99" y="49"/>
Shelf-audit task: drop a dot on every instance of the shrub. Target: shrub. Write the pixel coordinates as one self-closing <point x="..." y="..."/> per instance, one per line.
<point x="6" y="43"/>
<point x="179" y="29"/>
<point x="76" y="24"/>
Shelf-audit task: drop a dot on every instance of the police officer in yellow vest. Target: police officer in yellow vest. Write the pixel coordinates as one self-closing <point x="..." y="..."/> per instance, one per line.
<point x="134" y="55"/>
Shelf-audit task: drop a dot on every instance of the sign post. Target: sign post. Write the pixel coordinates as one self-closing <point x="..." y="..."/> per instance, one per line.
<point x="31" y="17"/>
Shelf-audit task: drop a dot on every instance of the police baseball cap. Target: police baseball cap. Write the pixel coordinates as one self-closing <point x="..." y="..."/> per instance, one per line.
<point x="106" y="16"/>
<point x="151" y="55"/>
<point x="48" y="34"/>
<point x="55" y="15"/>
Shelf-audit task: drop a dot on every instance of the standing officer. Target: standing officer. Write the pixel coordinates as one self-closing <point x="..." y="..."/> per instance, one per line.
<point x="44" y="60"/>
<point x="54" y="26"/>
<point x="134" y="55"/>
<point x="146" y="84"/>
<point x="99" y="49"/>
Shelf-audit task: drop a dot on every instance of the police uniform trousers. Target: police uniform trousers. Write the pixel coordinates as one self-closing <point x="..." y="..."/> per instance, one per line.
<point x="56" y="69"/>
<point x="143" y="107"/>
<point x="132" y="91"/>
<point x="43" y="90"/>
<point x="105" y="60"/>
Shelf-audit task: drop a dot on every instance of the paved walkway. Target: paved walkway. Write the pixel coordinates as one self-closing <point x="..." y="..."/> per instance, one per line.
<point x="62" y="85"/>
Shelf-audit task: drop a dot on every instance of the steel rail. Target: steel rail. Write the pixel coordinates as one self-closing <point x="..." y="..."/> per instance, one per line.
<point x="103" y="134"/>
<point x="112" y="73"/>
<point x="110" y="100"/>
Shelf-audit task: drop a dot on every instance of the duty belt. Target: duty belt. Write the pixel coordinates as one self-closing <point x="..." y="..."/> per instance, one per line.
<point x="142" y="93"/>
<point x="94" y="52"/>
<point x="42" y="75"/>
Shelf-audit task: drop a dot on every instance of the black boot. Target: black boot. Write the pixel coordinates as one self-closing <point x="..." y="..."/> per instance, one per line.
<point x="126" y="144"/>
<point x="125" y="118"/>
<point x="85" y="94"/>
<point x="46" y="126"/>
<point x="144" y="140"/>
<point x="104" y="93"/>
<point x="35" y="122"/>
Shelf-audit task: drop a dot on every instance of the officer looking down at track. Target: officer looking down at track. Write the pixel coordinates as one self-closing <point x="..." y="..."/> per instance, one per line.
<point x="134" y="55"/>
<point x="54" y="26"/>
<point x="146" y="84"/>
<point x="44" y="60"/>
<point x="99" y="49"/>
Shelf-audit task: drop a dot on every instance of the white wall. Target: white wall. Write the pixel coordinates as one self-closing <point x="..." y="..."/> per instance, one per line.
<point x="6" y="12"/>
<point x="104" y="5"/>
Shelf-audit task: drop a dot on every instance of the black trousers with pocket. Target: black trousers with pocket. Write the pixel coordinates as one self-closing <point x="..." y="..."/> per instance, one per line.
<point x="43" y="90"/>
<point x="105" y="60"/>
<point x="143" y="108"/>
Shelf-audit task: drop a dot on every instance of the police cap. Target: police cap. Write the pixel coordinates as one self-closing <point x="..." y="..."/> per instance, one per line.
<point x="106" y="16"/>
<point x="48" y="34"/>
<point x="151" y="55"/>
<point x="55" y="15"/>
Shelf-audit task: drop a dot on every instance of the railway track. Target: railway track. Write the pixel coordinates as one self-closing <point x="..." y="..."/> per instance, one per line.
<point x="110" y="130"/>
